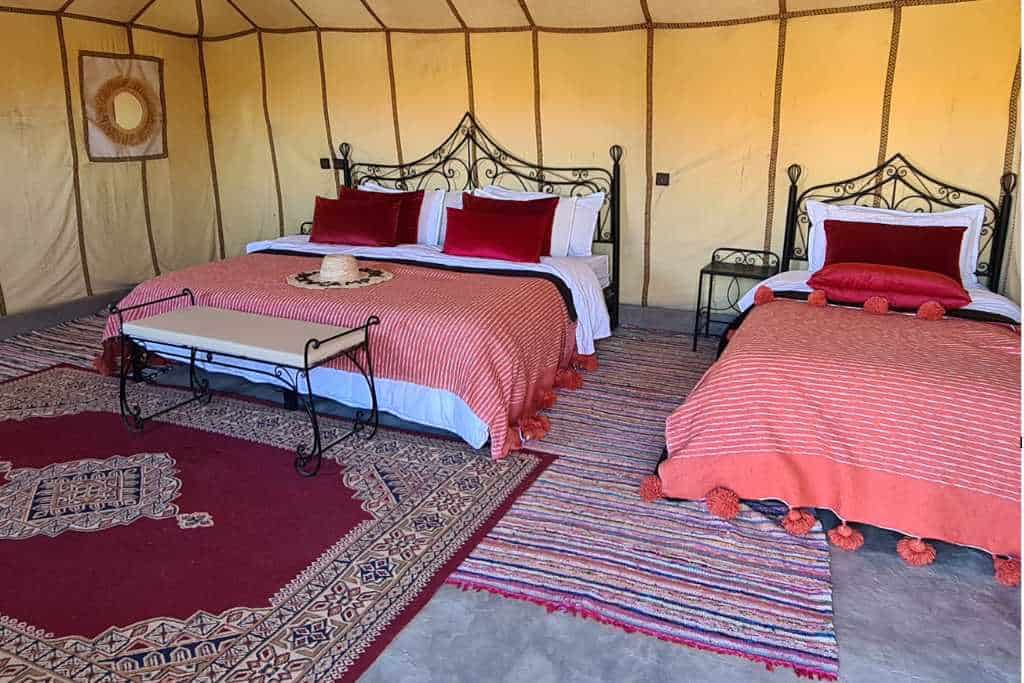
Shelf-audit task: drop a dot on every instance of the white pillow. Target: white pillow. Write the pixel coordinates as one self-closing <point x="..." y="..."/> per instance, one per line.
<point x="970" y="217"/>
<point x="572" y="233"/>
<point x="452" y="200"/>
<point x="428" y="230"/>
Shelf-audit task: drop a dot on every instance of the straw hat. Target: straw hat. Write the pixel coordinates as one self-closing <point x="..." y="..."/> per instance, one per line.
<point x="339" y="272"/>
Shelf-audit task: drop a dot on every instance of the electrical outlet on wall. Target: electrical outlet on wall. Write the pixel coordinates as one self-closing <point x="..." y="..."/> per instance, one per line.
<point x="662" y="179"/>
<point x="325" y="163"/>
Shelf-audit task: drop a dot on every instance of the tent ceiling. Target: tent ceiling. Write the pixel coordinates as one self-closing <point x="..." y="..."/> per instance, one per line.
<point x="224" y="17"/>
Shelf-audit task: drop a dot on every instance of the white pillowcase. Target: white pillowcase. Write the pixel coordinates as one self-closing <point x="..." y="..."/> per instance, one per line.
<point x="970" y="217"/>
<point x="428" y="230"/>
<point x="572" y="232"/>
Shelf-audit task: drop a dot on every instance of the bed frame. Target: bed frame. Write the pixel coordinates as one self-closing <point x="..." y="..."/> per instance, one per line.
<point x="469" y="158"/>
<point x="898" y="184"/>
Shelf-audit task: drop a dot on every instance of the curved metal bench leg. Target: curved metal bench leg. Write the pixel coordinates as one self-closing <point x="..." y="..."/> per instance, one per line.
<point x="309" y="458"/>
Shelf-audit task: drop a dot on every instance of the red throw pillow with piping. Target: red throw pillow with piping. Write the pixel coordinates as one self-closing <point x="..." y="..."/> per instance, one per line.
<point x="408" y="216"/>
<point x="505" y="236"/>
<point x="925" y="248"/>
<point x="370" y="223"/>
<point x="904" y="288"/>
<point x="545" y="208"/>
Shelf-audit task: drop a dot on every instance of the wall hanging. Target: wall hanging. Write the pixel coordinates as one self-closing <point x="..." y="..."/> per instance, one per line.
<point x="123" y="106"/>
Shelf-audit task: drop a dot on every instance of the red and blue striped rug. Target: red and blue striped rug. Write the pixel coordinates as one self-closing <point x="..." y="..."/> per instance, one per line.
<point x="580" y="541"/>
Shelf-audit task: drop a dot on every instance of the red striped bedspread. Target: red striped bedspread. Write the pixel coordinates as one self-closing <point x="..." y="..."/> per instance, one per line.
<point x="889" y="420"/>
<point x="495" y="341"/>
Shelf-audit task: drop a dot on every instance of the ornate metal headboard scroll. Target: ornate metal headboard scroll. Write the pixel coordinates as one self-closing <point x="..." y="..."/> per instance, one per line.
<point x="898" y="184"/>
<point x="469" y="159"/>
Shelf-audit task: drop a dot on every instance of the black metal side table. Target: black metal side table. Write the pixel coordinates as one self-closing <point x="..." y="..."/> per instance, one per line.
<point x="736" y="264"/>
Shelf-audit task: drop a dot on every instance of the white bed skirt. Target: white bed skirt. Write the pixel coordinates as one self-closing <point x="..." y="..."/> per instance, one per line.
<point x="405" y="400"/>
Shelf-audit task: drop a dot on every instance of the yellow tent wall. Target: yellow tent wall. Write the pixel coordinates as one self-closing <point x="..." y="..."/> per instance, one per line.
<point x="721" y="95"/>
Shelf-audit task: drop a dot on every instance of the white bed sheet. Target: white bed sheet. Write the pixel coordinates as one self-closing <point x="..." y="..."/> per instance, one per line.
<point x="796" y="281"/>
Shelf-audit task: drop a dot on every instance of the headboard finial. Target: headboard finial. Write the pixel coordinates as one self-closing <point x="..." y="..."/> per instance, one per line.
<point x="794" y="171"/>
<point x="345" y="150"/>
<point x="616" y="153"/>
<point x="1008" y="182"/>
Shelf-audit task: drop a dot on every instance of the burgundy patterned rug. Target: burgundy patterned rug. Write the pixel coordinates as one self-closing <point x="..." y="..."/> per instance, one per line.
<point x="193" y="551"/>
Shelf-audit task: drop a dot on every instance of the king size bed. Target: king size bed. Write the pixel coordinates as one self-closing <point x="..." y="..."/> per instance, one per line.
<point x="887" y="393"/>
<point x="472" y="345"/>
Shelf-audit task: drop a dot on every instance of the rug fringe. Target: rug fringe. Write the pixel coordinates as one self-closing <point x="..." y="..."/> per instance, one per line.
<point x="583" y="613"/>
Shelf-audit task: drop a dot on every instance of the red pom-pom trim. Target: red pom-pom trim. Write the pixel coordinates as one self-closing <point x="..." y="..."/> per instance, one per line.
<point x="547" y="399"/>
<point x="535" y="427"/>
<point x="650" y="489"/>
<point x="514" y="441"/>
<point x="846" y="538"/>
<point x="723" y="502"/>
<point x="878" y="305"/>
<point x="588" y="362"/>
<point x="568" y="379"/>
<point x="817" y="298"/>
<point x="915" y="552"/>
<point x="1007" y="571"/>
<point x="931" y="310"/>
<point x="763" y="295"/>
<point x="798" y="522"/>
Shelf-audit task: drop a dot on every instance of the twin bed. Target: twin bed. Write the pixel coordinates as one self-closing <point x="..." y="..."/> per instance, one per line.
<point x="905" y="421"/>
<point x="472" y="346"/>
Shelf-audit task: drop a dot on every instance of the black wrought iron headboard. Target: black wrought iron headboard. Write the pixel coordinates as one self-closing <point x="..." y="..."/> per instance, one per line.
<point x="898" y="184"/>
<point x="469" y="158"/>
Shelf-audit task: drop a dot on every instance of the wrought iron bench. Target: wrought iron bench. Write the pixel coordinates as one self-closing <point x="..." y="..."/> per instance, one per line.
<point x="290" y="349"/>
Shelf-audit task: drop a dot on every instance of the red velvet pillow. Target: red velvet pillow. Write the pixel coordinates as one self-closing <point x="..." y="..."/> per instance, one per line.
<point x="904" y="288"/>
<point x="505" y="236"/>
<point x="355" y="221"/>
<point x="408" y="216"/>
<point x="925" y="248"/>
<point x="544" y="208"/>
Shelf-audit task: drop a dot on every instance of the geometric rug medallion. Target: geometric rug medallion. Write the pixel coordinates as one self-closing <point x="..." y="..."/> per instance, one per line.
<point x="193" y="551"/>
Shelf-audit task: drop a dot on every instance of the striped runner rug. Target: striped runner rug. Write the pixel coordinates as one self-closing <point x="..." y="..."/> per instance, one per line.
<point x="580" y="541"/>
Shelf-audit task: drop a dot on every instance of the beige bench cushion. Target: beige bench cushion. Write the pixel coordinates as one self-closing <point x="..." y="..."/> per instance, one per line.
<point x="277" y="341"/>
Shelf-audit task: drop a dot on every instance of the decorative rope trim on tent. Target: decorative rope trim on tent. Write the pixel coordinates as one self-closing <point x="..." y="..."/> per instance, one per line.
<point x="648" y="161"/>
<point x="209" y="132"/>
<point x="773" y="154"/>
<point x="327" y="113"/>
<point x="890" y="77"/>
<point x="143" y="171"/>
<point x="1011" y="138"/>
<point x="270" y="134"/>
<point x="73" y="138"/>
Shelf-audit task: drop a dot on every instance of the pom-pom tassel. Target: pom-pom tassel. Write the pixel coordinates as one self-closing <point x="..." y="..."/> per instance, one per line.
<point x="723" y="502"/>
<point x="915" y="552"/>
<point x="763" y="295"/>
<point x="846" y="537"/>
<point x="817" y="298"/>
<point x="588" y="362"/>
<point x="1007" y="571"/>
<point x="568" y="379"/>
<point x="931" y="310"/>
<point x="535" y="427"/>
<point x="798" y="522"/>
<point x="650" y="489"/>
<point x="877" y="305"/>
<point x="547" y="399"/>
<point x="515" y="442"/>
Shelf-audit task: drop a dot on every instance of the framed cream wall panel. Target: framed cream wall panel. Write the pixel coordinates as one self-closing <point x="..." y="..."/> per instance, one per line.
<point x="503" y="90"/>
<point x="359" y="97"/>
<point x="431" y="88"/>
<point x="39" y="260"/>
<point x="296" y="112"/>
<point x="180" y="186"/>
<point x="712" y="124"/>
<point x="244" y="169"/>
<point x="113" y="214"/>
<point x="593" y="95"/>
<point x="951" y="90"/>
<point x="832" y="89"/>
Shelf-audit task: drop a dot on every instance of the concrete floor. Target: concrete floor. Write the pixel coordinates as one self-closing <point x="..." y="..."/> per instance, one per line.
<point x="947" y="622"/>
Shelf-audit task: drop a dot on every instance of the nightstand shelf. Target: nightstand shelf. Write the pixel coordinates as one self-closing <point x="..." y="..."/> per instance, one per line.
<point x="735" y="264"/>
